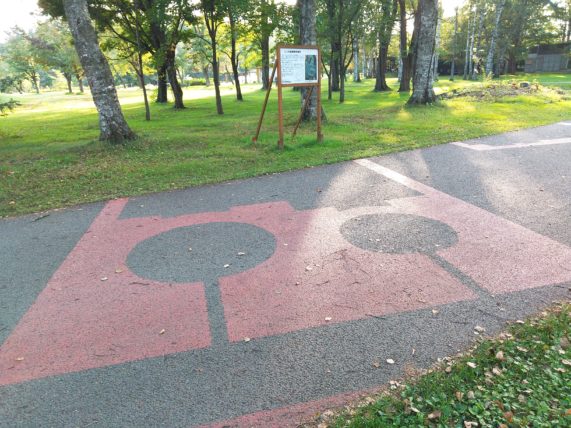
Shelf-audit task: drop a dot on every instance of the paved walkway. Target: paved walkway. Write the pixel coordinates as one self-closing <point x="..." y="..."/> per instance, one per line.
<point x="260" y="302"/>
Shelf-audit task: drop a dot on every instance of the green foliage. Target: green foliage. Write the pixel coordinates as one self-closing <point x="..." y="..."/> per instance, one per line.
<point x="522" y="379"/>
<point x="7" y="106"/>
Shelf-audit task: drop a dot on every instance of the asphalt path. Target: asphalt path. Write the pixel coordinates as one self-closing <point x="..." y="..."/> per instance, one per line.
<point x="260" y="302"/>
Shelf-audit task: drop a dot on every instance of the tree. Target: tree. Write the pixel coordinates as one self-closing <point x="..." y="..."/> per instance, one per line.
<point x="53" y="45"/>
<point x="406" y="52"/>
<point x="492" y="49"/>
<point x="22" y="58"/>
<point x="385" y="25"/>
<point x="112" y="124"/>
<point x="422" y="91"/>
<point x="308" y="36"/>
<point x="213" y="14"/>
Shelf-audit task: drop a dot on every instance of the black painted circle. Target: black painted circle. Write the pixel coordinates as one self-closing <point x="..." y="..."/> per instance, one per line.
<point x="167" y="258"/>
<point x="398" y="233"/>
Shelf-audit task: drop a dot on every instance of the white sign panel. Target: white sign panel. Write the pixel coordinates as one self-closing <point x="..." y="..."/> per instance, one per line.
<point x="298" y="66"/>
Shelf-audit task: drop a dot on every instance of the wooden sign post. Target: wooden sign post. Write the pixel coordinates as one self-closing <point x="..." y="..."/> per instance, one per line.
<point x="300" y="66"/>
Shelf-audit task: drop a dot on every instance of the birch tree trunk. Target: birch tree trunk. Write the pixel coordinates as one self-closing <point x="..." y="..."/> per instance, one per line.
<point x="436" y="47"/>
<point x="356" y="74"/>
<point x="308" y="36"/>
<point x="453" y="66"/>
<point x="468" y="37"/>
<point x="422" y="91"/>
<point x="112" y="124"/>
<point x="478" y="40"/>
<point x="492" y="51"/>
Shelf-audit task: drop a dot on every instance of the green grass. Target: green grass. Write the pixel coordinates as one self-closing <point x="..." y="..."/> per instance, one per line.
<point x="50" y="156"/>
<point x="522" y="379"/>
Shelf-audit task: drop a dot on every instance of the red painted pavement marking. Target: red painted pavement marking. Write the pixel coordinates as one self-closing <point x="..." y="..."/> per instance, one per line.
<point x="79" y="322"/>
<point x="499" y="255"/>
<point x="316" y="278"/>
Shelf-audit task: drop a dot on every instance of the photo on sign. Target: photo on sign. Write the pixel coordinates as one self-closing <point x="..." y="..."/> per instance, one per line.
<point x="311" y="67"/>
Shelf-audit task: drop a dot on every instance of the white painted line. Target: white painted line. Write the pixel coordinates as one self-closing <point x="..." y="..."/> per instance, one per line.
<point x="487" y="147"/>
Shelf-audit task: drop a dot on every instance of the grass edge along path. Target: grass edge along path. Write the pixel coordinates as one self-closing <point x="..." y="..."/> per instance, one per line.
<point x="520" y="378"/>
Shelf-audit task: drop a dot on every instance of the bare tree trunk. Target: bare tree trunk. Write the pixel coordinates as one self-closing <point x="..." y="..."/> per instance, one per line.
<point x="468" y="37"/>
<point x="356" y="74"/>
<point x="405" y="52"/>
<point x="422" y="92"/>
<point x="173" y="79"/>
<point x="206" y="75"/>
<point x="112" y="124"/>
<point x="234" y="57"/>
<point x="162" y="92"/>
<point x="474" y="68"/>
<point x="492" y="50"/>
<point x="265" y="62"/>
<point x="381" y="75"/>
<point x="453" y="65"/>
<point x="216" y="77"/>
<point x="68" y="81"/>
<point x="436" y="47"/>
<point x="308" y="36"/>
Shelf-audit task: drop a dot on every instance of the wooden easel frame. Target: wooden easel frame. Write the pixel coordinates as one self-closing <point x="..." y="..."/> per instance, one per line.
<point x="280" y="85"/>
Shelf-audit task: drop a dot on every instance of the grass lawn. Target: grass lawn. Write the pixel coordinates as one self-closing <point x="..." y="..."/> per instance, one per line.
<point x="50" y="156"/>
<point x="521" y="379"/>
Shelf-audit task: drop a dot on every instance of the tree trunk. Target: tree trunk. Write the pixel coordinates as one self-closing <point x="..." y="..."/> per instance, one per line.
<point x="265" y="62"/>
<point x="162" y="92"/>
<point x="492" y="50"/>
<point x="173" y="79"/>
<point x="308" y="36"/>
<point x="334" y="67"/>
<point x="436" y="47"/>
<point x="356" y="74"/>
<point x="112" y="124"/>
<point x="381" y="77"/>
<point x="216" y="76"/>
<point x="422" y="92"/>
<point x="35" y="82"/>
<point x="68" y="81"/>
<point x="234" y="57"/>
<point x="405" y="52"/>
<point x="478" y="42"/>
<point x="453" y="65"/>
<point x="206" y="75"/>
<point x="467" y="52"/>
<point x="80" y="82"/>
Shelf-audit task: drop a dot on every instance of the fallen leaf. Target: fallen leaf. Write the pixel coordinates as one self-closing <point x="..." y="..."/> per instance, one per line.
<point x="118" y="270"/>
<point x="162" y="331"/>
<point x="376" y="364"/>
<point x="500" y="356"/>
<point x="468" y="424"/>
<point x="566" y="362"/>
<point x="448" y="369"/>
<point x="521" y="349"/>
<point x="435" y="415"/>
<point x="390" y="361"/>
<point x="20" y="359"/>
<point x="471" y="364"/>
<point x="459" y="395"/>
<point x="479" y="329"/>
<point x="568" y="412"/>
<point x="104" y="278"/>
<point x="435" y="311"/>
<point x="520" y="322"/>
<point x="189" y="249"/>
<point x="247" y="339"/>
<point x="414" y="409"/>
<point x="496" y="371"/>
<point x="226" y="265"/>
<point x="509" y="416"/>
<point x="470" y="395"/>
<point x="328" y="318"/>
<point x="308" y="268"/>
<point x="241" y="253"/>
